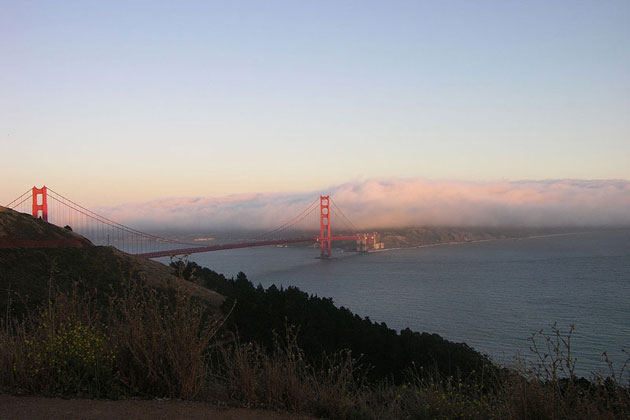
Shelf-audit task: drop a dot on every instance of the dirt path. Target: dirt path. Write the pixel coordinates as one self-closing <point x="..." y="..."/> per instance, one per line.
<point x="38" y="408"/>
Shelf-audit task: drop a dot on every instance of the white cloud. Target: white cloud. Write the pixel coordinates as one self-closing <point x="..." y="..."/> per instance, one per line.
<point x="401" y="202"/>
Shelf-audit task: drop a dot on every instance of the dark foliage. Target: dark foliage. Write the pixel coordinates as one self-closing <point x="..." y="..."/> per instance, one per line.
<point x="26" y="273"/>
<point x="325" y="329"/>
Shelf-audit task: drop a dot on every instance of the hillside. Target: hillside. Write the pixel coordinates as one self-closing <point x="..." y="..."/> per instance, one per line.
<point x="23" y="230"/>
<point x="430" y="235"/>
<point x="89" y="321"/>
<point x="28" y="273"/>
<point x="43" y="253"/>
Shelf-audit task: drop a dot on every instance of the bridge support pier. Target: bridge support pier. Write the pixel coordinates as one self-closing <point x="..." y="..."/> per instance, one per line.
<point x="324" y="226"/>
<point x="43" y="206"/>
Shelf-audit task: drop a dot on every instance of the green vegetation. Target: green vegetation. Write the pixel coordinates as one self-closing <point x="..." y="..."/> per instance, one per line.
<point x="95" y="322"/>
<point x="68" y="357"/>
<point x="123" y="335"/>
<point x="26" y="274"/>
<point x="326" y="329"/>
<point x="143" y="341"/>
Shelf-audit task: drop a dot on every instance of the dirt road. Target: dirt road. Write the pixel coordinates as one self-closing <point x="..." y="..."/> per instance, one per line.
<point x="38" y="408"/>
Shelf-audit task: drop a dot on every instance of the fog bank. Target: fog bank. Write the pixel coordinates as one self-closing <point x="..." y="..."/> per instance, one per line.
<point x="398" y="203"/>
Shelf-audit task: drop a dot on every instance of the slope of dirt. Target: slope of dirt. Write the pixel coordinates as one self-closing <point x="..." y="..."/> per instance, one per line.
<point x="38" y="408"/>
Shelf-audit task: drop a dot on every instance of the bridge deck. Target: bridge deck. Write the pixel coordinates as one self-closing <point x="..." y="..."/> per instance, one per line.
<point x="195" y="250"/>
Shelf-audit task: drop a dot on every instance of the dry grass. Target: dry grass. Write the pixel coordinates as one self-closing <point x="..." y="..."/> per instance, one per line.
<point x="59" y="349"/>
<point x="162" y="341"/>
<point x="151" y="343"/>
<point x="147" y="342"/>
<point x="283" y="379"/>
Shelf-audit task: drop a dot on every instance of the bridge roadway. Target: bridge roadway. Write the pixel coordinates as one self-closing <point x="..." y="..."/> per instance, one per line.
<point x="196" y="250"/>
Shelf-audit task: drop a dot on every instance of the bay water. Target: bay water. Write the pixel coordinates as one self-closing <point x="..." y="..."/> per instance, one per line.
<point x="492" y="295"/>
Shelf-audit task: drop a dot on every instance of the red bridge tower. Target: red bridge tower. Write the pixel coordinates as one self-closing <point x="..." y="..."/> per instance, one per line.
<point x="324" y="225"/>
<point x="43" y="206"/>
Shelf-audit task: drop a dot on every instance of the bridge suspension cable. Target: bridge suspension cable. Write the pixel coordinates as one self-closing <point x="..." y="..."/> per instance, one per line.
<point x="102" y="219"/>
<point x="294" y="223"/>
<point x="295" y="220"/>
<point x="12" y="203"/>
<point x="101" y="230"/>
<point x="344" y="217"/>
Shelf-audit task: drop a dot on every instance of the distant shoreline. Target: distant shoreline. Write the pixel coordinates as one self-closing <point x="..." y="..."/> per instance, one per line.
<point x="495" y="239"/>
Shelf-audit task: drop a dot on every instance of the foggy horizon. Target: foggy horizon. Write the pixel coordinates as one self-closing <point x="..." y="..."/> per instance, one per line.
<point x="397" y="203"/>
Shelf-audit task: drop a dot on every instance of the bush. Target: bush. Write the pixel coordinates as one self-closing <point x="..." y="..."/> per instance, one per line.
<point x="163" y="341"/>
<point x="71" y="358"/>
<point x="283" y="379"/>
<point x="61" y="349"/>
<point x="145" y="342"/>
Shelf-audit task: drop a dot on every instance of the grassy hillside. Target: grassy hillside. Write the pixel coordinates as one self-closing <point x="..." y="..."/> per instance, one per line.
<point x="20" y="229"/>
<point x="88" y="321"/>
<point x="28" y="271"/>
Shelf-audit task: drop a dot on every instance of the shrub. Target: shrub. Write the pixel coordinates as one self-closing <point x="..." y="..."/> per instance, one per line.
<point x="144" y="342"/>
<point x="70" y="358"/>
<point x="61" y="349"/>
<point x="283" y="379"/>
<point x="163" y="341"/>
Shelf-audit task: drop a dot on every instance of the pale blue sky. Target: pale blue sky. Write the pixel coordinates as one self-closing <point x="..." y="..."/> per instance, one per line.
<point x="141" y="100"/>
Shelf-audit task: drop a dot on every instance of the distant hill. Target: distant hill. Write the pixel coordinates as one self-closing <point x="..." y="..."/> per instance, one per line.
<point x="34" y="253"/>
<point x="429" y="235"/>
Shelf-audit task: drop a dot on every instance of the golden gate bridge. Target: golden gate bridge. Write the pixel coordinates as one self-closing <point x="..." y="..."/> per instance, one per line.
<point x="59" y="210"/>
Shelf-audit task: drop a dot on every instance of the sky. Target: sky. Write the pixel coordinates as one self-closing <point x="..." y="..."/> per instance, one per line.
<point x="119" y="103"/>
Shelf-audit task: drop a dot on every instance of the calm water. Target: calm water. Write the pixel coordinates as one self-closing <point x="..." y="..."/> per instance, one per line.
<point x="492" y="295"/>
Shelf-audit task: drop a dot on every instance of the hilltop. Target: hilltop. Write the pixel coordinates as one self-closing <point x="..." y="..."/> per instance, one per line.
<point x="23" y="230"/>
<point x="34" y="253"/>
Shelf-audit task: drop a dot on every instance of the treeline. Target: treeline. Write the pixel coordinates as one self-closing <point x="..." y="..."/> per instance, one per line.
<point x="258" y="314"/>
